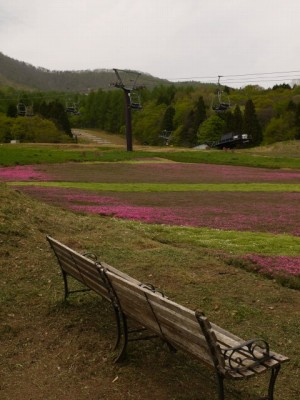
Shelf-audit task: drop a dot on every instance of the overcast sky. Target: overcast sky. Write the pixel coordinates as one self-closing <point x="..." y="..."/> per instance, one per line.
<point x="169" y="39"/>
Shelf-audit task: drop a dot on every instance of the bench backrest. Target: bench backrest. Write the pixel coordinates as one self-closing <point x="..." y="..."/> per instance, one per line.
<point x="174" y="323"/>
<point x="84" y="269"/>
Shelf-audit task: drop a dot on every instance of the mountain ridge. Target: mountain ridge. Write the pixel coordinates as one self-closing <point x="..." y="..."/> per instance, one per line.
<point x="22" y="75"/>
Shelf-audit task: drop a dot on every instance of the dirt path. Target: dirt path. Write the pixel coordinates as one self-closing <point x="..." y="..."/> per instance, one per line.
<point x="99" y="137"/>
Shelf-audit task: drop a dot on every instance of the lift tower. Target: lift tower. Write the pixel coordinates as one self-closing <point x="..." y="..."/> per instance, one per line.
<point x="126" y="80"/>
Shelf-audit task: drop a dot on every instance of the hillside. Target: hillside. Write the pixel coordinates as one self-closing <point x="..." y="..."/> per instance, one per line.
<point x="56" y="350"/>
<point x="19" y="74"/>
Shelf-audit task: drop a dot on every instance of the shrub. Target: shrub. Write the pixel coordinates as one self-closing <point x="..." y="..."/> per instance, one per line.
<point x="32" y="130"/>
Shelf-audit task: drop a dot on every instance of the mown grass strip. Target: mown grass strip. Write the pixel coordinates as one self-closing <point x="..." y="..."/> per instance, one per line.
<point x="229" y="242"/>
<point x="169" y="187"/>
<point x="39" y="154"/>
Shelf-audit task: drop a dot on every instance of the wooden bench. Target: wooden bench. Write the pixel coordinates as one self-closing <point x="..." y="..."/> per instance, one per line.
<point x="181" y="328"/>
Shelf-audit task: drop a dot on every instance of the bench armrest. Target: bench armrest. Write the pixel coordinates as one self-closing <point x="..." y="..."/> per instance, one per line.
<point x="248" y="354"/>
<point x="152" y="288"/>
<point x="91" y="256"/>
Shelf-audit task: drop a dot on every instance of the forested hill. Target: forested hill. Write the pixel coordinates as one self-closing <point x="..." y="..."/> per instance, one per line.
<point x="21" y="75"/>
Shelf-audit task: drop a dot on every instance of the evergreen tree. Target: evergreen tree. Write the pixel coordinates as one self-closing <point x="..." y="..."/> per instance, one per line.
<point x="297" y="121"/>
<point x="251" y="124"/>
<point x="237" y="120"/>
<point x="228" y="118"/>
<point x="200" y="113"/>
<point x="11" y="111"/>
<point x="56" y="112"/>
<point x="189" y="132"/>
<point x="167" y="122"/>
<point x="292" y="106"/>
<point x="193" y="120"/>
<point x="164" y="94"/>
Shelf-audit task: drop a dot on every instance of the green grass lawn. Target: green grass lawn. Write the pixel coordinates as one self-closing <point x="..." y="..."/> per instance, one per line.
<point x="167" y="187"/>
<point x="19" y="154"/>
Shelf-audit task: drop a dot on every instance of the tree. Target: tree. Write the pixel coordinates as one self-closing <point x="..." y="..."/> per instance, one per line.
<point x="146" y="125"/>
<point x="280" y="129"/>
<point x="282" y="86"/>
<point x="6" y="124"/>
<point x="164" y="94"/>
<point x="297" y="121"/>
<point x="200" y="112"/>
<point x="211" y="130"/>
<point x="35" y="130"/>
<point x="228" y="118"/>
<point x="292" y="106"/>
<point x="191" y="124"/>
<point x="60" y="117"/>
<point x="251" y="125"/>
<point x="55" y="111"/>
<point x="167" y="122"/>
<point x="189" y="131"/>
<point x="11" y="111"/>
<point x="237" y="119"/>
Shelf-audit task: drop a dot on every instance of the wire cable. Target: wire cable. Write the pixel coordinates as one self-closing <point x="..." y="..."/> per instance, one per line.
<point x="257" y="76"/>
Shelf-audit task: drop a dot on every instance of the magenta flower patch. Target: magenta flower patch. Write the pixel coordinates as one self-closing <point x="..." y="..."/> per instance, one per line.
<point x="22" y="173"/>
<point x="258" y="212"/>
<point x="275" y="265"/>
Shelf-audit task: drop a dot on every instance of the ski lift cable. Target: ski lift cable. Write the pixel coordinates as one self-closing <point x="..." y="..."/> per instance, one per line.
<point x="268" y="78"/>
<point x="238" y="75"/>
<point x="259" y="80"/>
<point x="265" y="73"/>
<point x="14" y="97"/>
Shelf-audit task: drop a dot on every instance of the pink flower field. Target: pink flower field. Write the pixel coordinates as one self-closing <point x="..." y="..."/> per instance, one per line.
<point x="272" y="212"/>
<point x="22" y="173"/>
<point x="260" y="212"/>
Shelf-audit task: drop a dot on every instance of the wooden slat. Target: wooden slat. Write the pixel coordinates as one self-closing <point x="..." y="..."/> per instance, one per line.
<point x="59" y="246"/>
<point x="135" y="304"/>
<point x="81" y="268"/>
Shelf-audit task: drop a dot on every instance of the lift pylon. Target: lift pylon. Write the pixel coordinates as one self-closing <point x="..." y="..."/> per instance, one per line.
<point x="127" y="81"/>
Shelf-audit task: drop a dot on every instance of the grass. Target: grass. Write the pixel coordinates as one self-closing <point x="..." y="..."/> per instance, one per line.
<point x="19" y="154"/>
<point x="54" y="350"/>
<point x="169" y="187"/>
<point x="230" y="242"/>
<point x="41" y="154"/>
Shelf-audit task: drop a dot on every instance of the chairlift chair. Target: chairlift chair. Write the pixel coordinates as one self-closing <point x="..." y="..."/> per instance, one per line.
<point x="220" y="102"/>
<point x="72" y="109"/>
<point x="29" y="111"/>
<point x="135" y="101"/>
<point x="166" y="136"/>
<point x="21" y="109"/>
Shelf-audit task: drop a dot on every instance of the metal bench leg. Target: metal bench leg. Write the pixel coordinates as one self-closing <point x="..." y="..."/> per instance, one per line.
<point x="274" y="373"/>
<point x="119" y="330"/>
<point x="123" y="332"/>
<point x="220" y="382"/>
<point x="64" y="275"/>
<point x="171" y="348"/>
